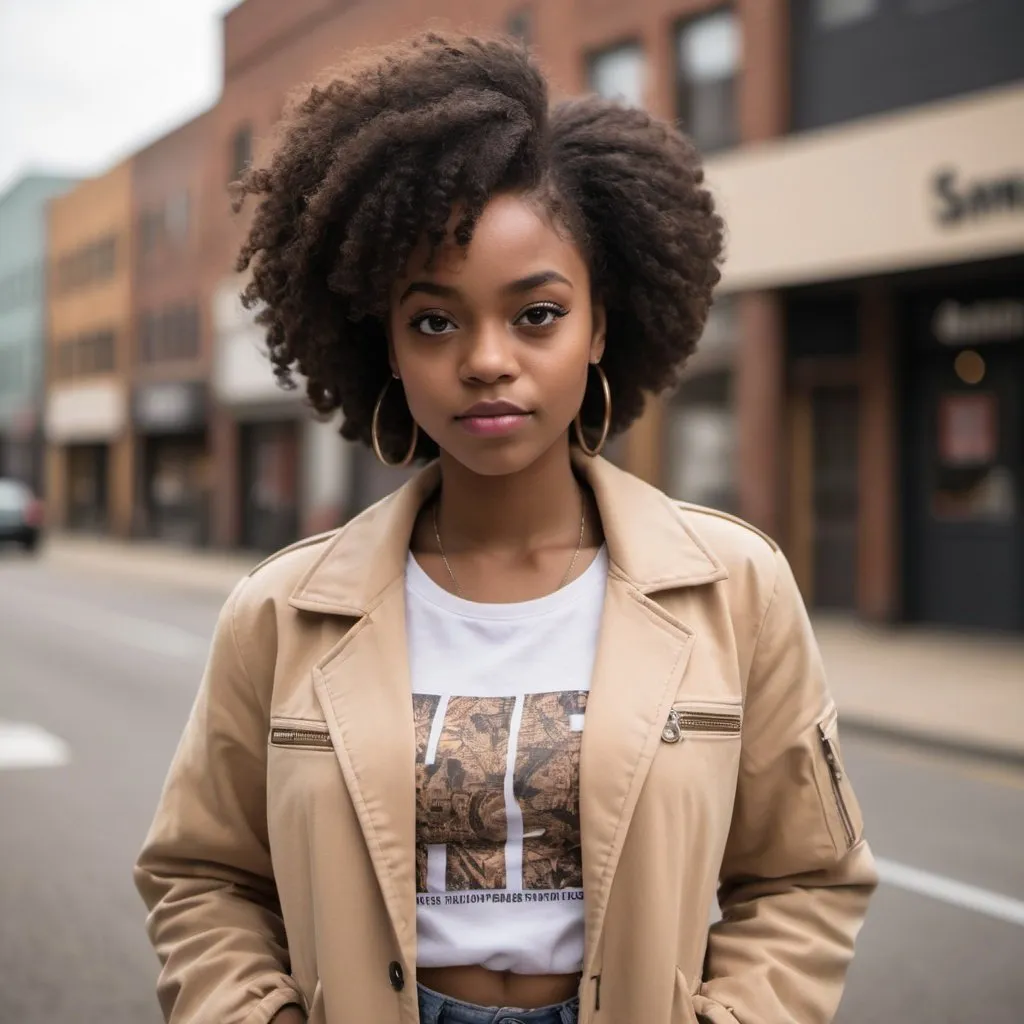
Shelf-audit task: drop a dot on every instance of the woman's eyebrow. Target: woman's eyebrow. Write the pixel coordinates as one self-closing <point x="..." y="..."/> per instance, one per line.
<point x="526" y="284"/>
<point x="523" y="284"/>
<point x="441" y="291"/>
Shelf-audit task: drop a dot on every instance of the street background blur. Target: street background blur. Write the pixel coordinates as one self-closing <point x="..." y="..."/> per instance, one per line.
<point x="858" y="394"/>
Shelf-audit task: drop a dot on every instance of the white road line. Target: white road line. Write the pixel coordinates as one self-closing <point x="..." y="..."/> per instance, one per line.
<point x="153" y="637"/>
<point x="23" y="745"/>
<point x="947" y="890"/>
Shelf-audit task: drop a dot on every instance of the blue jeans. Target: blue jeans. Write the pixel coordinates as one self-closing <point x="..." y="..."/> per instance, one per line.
<point x="438" y="1009"/>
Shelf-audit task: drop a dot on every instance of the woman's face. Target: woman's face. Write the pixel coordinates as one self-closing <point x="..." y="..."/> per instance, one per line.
<point x="493" y="344"/>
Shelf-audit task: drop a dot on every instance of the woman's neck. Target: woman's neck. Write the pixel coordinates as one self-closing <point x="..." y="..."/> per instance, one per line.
<point x="539" y="506"/>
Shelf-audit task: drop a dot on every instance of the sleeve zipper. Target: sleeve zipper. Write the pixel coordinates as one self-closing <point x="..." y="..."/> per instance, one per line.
<point x="835" y="772"/>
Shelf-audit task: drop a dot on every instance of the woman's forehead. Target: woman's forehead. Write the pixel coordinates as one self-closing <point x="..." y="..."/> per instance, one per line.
<point x="513" y="239"/>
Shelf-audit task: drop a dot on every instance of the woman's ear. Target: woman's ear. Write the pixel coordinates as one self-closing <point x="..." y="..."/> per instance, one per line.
<point x="598" y="339"/>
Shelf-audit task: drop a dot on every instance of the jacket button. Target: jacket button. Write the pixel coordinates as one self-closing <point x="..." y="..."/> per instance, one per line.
<point x="396" y="975"/>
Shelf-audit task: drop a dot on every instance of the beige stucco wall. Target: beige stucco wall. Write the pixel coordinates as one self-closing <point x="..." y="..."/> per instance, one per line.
<point x="859" y="199"/>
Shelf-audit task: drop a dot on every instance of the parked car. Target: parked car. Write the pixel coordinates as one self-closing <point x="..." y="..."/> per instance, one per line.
<point x="21" y="515"/>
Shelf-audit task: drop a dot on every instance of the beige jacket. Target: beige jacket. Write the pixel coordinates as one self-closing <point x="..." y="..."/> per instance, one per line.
<point x="280" y="866"/>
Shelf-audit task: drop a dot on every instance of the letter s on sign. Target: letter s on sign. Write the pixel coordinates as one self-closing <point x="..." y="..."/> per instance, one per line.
<point x="952" y="206"/>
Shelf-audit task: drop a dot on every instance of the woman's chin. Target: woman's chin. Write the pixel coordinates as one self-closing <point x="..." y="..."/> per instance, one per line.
<point x="496" y="459"/>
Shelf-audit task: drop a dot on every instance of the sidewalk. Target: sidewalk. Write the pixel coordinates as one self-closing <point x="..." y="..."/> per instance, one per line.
<point x="945" y="689"/>
<point x="159" y="564"/>
<point x="949" y="690"/>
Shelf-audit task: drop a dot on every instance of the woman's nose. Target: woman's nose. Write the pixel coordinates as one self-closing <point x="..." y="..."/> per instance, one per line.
<point x="490" y="357"/>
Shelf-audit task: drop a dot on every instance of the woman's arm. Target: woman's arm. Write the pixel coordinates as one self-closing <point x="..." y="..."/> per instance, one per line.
<point x="796" y="875"/>
<point x="205" y="871"/>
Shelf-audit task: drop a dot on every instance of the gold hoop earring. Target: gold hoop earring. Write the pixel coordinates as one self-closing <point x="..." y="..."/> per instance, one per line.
<point x="605" y="426"/>
<point x="375" y="428"/>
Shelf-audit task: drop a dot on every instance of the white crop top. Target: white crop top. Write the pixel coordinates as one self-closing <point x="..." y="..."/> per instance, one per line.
<point x="499" y="698"/>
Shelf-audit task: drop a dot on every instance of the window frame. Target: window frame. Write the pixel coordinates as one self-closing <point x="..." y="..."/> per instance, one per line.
<point x="685" y="86"/>
<point x="243" y="133"/>
<point x="627" y="44"/>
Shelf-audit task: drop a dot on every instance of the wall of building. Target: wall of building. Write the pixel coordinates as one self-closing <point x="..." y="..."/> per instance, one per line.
<point x="166" y="199"/>
<point x="940" y="184"/>
<point x="858" y="58"/>
<point x="89" y="296"/>
<point x="23" y="321"/>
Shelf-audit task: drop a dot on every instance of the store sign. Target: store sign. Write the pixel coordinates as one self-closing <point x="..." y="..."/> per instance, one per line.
<point x="83" y="413"/>
<point x="170" y="407"/>
<point x="977" y="323"/>
<point x="960" y="200"/>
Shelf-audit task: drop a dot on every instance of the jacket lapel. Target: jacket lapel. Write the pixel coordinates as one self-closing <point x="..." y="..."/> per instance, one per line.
<point x="641" y="657"/>
<point x="364" y="687"/>
<point x="364" y="690"/>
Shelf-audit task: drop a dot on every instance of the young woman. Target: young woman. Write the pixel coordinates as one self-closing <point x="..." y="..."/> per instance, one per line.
<point x="486" y="753"/>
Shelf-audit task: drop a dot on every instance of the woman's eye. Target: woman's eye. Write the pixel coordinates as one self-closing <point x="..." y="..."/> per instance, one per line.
<point x="433" y="323"/>
<point x="541" y="316"/>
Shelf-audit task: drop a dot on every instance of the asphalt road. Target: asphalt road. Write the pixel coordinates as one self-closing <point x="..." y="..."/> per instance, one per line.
<point x="96" y="680"/>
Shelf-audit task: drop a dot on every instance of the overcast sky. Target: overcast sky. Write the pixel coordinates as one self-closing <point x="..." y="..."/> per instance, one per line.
<point x="85" y="82"/>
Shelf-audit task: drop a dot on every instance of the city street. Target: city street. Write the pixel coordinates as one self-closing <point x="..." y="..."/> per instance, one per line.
<point x="96" y="680"/>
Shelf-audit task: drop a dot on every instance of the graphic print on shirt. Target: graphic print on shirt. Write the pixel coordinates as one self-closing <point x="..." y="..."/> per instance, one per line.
<point x="498" y="792"/>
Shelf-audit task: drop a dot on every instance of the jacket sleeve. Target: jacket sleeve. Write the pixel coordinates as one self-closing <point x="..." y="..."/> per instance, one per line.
<point x="796" y="875"/>
<point x="205" y="871"/>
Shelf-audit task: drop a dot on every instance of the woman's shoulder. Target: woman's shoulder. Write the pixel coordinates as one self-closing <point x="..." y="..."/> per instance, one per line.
<point x="297" y="555"/>
<point x="275" y="578"/>
<point x="728" y="535"/>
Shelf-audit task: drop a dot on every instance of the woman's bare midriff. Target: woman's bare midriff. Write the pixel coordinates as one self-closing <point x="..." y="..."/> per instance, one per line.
<point x="482" y="987"/>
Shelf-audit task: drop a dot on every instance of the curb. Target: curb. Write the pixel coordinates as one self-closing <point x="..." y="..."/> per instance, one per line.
<point x="854" y="725"/>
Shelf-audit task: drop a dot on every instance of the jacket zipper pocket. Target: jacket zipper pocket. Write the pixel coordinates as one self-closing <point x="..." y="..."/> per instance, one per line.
<point x="680" y="721"/>
<point x="835" y="774"/>
<point x="307" y="739"/>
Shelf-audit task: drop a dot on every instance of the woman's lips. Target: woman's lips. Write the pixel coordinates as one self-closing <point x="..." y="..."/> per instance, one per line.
<point x="494" y="426"/>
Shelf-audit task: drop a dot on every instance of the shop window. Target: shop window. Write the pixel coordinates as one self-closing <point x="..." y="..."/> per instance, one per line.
<point x="88" y="264"/>
<point x="176" y="215"/>
<point x="150" y="224"/>
<point x="840" y="13"/>
<point x="106" y="257"/>
<point x="64" y="360"/>
<point x="190" y="332"/>
<point x="702" y="442"/>
<point x="241" y="152"/>
<point x="619" y="74"/>
<point x="103" y="349"/>
<point x="89" y="354"/>
<point x="144" y="339"/>
<point x="708" y="55"/>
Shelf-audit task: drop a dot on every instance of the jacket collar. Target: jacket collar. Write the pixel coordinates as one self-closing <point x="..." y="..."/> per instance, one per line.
<point x="650" y="542"/>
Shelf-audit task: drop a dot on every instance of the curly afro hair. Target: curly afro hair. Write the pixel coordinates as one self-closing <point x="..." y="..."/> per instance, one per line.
<point x="379" y="157"/>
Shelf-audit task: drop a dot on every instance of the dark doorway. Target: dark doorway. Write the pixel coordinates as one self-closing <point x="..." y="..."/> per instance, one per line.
<point x="270" y="484"/>
<point x="834" y="411"/>
<point x="87" y="482"/>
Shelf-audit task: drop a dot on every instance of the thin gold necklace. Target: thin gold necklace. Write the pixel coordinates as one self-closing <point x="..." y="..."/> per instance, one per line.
<point x="565" y="578"/>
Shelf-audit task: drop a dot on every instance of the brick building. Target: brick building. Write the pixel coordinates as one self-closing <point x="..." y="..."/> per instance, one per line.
<point x="723" y="69"/>
<point x="171" y="357"/>
<point x="89" y="313"/>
